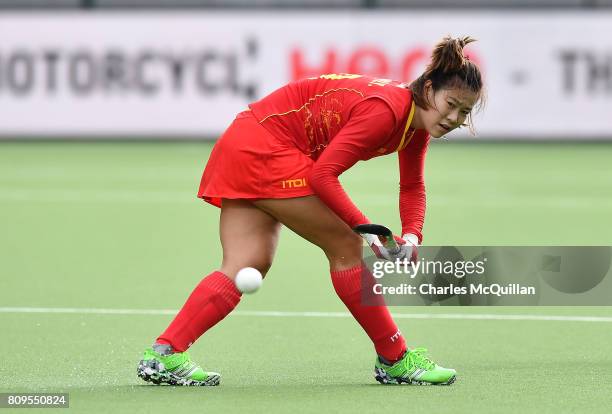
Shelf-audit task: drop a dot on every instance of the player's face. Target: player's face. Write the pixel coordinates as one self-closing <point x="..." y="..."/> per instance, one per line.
<point x="449" y="110"/>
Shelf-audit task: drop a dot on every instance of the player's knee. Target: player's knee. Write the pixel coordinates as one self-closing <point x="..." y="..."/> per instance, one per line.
<point x="231" y="267"/>
<point x="353" y="240"/>
<point x="345" y="250"/>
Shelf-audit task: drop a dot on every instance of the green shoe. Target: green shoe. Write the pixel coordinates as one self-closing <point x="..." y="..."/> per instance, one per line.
<point x="414" y="368"/>
<point x="174" y="369"/>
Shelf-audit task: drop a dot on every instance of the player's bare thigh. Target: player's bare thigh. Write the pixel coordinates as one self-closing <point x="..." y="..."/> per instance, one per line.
<point x="310" y="218"/>
<point x="249" y="237"/>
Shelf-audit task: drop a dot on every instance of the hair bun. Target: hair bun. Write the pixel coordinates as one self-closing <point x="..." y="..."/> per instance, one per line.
<point x="447" y="56"/>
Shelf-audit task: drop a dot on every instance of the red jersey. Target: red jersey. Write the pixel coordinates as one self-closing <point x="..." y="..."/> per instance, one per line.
<point x="310" y="113"/>
<point x="339" y="119"/>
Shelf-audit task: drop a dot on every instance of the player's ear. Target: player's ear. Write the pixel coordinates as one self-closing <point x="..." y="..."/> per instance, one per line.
<point x="428" y="89"/>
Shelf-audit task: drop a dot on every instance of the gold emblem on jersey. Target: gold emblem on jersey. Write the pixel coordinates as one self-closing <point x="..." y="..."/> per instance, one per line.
<point x="294" y="183"/>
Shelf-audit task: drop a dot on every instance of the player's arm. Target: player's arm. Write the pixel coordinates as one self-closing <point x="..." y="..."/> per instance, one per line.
<point x="371" y="123"/>
<point x="412" y="198"/>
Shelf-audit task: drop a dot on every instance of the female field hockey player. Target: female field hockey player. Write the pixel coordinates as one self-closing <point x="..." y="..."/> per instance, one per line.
<point x="279" y="162"/>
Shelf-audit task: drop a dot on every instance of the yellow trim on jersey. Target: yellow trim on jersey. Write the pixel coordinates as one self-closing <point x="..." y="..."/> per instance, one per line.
<point x="401" y="145"/>
<point x="310" y="100"/>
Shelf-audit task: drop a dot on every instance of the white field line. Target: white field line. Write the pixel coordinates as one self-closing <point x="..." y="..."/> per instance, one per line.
<point x="453" y="316"/>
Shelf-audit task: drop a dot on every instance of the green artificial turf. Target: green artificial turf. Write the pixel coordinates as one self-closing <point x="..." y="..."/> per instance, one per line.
<point x="117" y="226"/>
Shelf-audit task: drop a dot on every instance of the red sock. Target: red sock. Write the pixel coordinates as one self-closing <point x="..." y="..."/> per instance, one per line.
<point x="211" y="301"/>
<point x="375" y="320"/>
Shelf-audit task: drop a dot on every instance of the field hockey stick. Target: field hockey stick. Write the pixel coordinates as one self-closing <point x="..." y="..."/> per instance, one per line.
<point x="379" y="230"/>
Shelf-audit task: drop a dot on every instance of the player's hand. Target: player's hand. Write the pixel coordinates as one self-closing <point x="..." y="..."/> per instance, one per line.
<point x="412" y="246"/>
<point x="403" y="248"/>
<point x="407" y="248"/>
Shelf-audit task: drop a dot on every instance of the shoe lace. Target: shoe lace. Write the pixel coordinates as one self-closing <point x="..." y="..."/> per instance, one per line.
<point x="418" y="358"/>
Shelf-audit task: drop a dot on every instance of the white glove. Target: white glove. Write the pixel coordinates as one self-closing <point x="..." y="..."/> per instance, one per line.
<point x="412" y="246"/>
<point x="406" y="247"/>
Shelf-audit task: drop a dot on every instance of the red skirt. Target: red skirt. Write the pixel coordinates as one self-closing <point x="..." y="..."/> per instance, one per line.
<point x="248" y="162"/>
